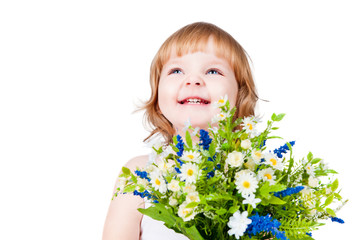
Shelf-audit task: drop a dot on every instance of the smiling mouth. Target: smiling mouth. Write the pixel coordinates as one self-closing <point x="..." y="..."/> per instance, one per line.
<point x="194" y="101"/>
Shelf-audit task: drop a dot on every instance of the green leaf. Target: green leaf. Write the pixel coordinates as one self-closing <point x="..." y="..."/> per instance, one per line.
<point x="330" y="171"/>
<point x="330" y="211"/>
<point x="129" y="188"/>
<point x="134" y="178"/>
<point x="126" y="171"/>
<point x="160" y="213"/>
<point x="277" y="118"/>
<point x="273" y="117"/>
<point x="337" y="196"/>
<point x="233" y="209"/>
<point x="212" y="148"/>
<point x="221" y="211"/>
<point x="175" y="148"/>
<point x="335" y="185"/>
<point x="315" y="161"/>
<point x="216" y="197"/>
<point x="309" y="156"/>
<point x="192" y="205"/>
<point x="266" y="189"/>
<point x="175" y="141"/>
<point x="188" y="139"/>
<point x="329" y="200"/>
<point x="276" y="201"/>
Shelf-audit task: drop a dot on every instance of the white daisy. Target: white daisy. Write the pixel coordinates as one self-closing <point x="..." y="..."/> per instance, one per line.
<point x="238" y="224"/>
<point x="192" y="197"/>
<point x="214" y="129"/>
<point x="267" y="174"/>
<point x="187" y="125"/>
<point x="257" y="155"/>
<point x="121" y="183"/>
<point x="313" y="182"/>
<point x="196" y="130"/>
<point x="186" y="214"/>
<point x="173" y="201"/>
<point x="189" y="188"/>
<point x="166" y="151"/>
<point x="221" y="102"/>
<point x="191" y="156"/>
<point x="142" y="182"/>
<point x="235" y="159"/>
<point x="158" y="182"/>
<point x="219" y="117"/>
<point x="245" y="144"/>
<point x="174" y="185"/>
<point x="189" y="172"/>
<point x="310" y="170"/>
<point x="249" y="124"/>
<point x="245" y="182"/>
<point x="250" y="164"/>
<point x="250" y="199"/>
<point x="165" y="166"/>
<point x="272" y="160"/>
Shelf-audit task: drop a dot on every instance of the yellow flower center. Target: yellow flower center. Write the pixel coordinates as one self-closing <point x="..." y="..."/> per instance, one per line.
<point x="186" y="211"/>
<point x="268" y="175"/>
<point x="193" y="198"/>
<point x="190" y="156"/>
<point x="221" y="101"/>
<point x="258" y="154"/>
<point x="273" y="161"/>
<point x="250" y="126"/>
<point x="190" y="172"/>
<point x="246" y="184"/>
<point x="222" y="115"/>
<point x="157" y="182"/>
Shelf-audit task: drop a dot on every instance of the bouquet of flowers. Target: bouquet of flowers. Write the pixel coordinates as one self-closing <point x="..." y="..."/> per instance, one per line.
<point x="228" y="185"/>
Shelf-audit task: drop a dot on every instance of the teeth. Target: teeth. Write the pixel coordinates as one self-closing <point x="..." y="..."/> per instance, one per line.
<point x="193" y="100"/>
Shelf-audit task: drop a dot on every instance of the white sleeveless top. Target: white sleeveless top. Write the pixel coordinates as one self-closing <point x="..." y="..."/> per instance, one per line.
<point x="152" y="229"/>
<point x="155" y="230"/>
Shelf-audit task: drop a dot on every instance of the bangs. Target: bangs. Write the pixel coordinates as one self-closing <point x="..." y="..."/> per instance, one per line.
<point x="191" y="43"/>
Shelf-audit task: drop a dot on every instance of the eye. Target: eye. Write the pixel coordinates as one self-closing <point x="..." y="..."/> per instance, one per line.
<point x="214" y="71"/>
<point x="175" y="71"/>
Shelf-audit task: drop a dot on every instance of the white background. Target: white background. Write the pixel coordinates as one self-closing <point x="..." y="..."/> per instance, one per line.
<point x="71" y="72"/>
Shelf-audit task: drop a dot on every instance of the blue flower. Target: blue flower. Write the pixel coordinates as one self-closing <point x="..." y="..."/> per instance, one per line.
<point x="180" y="162"/>
<point x="142" y="174"/>
<point x="283" y="149"/>
<point x="288" y="191"/>
<point x="263" y="143"/>
<point x="205" y="140"/>
<point x="143" y="194"/>
<point x="177" y="170"/>
<point x="210" y="174"/>
<point x="335" y="219"/>
<point x="261" y="224"/>
<point x="180" y="145"/>
<point x="309" y="234"/>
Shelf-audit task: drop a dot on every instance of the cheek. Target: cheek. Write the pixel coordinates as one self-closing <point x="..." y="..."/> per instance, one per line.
<point x="166" y="95"/>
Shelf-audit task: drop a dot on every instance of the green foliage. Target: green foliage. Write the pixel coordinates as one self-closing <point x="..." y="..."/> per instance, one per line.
<point x="218" y="191"/>
<point x="297" y="228"/>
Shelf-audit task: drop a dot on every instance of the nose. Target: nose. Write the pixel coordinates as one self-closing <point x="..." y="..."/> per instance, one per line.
<point x="194" y="80"/>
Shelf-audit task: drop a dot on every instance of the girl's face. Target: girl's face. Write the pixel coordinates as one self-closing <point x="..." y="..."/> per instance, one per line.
<point x="191" y="83"/>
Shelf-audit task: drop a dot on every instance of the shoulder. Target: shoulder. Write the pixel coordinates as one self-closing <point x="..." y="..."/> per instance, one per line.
<point x="137" y="162"/>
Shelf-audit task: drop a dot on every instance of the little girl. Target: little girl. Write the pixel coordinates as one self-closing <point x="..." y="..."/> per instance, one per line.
<point x="194" y="67"/>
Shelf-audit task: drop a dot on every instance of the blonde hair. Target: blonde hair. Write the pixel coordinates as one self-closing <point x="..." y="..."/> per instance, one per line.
<point x="194" y="38"/>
